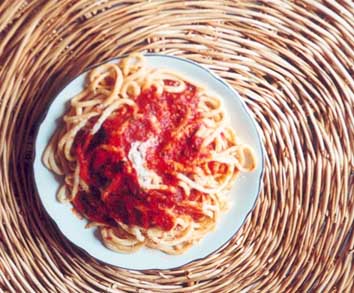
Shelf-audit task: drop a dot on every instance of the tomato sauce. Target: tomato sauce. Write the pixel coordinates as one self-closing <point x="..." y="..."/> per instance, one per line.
<point x="115" y="194"/>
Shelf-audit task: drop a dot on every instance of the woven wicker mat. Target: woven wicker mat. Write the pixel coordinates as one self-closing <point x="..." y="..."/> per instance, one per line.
<point x="292" y="63"/>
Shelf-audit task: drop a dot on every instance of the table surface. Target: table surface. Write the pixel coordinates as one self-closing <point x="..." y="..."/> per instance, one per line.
<point x="293" y="64"/>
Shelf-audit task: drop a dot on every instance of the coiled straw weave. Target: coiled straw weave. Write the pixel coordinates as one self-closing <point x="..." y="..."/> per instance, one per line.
<point x="293" y="64"/>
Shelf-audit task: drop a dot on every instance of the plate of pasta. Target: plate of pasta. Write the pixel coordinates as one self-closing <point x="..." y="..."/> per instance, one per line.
<point x="148" y="161"/>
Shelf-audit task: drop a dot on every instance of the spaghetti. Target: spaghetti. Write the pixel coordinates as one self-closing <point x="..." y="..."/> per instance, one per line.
<point x="147" y="156"/>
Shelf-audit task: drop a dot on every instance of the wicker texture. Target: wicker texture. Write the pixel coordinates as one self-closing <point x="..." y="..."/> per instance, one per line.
<point x="293" y="64"/>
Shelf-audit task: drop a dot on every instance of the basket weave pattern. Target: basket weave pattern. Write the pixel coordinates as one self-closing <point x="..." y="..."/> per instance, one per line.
<point x="293" y="64"/>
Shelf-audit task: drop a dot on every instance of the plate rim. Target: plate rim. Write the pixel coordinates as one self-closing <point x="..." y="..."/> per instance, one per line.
<point x="245" y="109"/>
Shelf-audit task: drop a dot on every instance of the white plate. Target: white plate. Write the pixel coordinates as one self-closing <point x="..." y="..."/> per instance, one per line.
<point x="243" y="194"/>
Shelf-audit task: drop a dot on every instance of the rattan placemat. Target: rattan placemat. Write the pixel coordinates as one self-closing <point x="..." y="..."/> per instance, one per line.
<point x="293" y="64"/>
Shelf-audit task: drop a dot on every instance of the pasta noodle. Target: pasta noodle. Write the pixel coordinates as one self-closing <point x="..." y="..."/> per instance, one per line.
<point x="147" y="156"/>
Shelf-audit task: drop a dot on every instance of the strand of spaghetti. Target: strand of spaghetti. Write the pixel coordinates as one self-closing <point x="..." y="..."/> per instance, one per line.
<point x="98" y="74"/>
<point x="210" y="102"/>
<point x="76" y="182"/>
<point x="49" y="159"/>
<point x="118" y="244"/>
<point x="159" y="75"/>
<point x="140" y="75"/>
<point x="183" y="124"/>
<point x="134" y="230"/>
<point x="185" y="187"/>
<point x="211" y="137"/>
<point x="77" y="118"/>
<point x="108" y="111"/>
<point x="246" y="161"/>
<point x="85" y="93"/>
<point x="180" y="87"/>
<point x="97" y="100"/>
<point x="158" y="84"/>
<point x="116" y="89"/>
<point x="66" y="142"/>
<point x="141" y="79"/>
<point x="173" y="237"/>
<point x="198" y="187"/>
<point x="84" y="185"/>
<point x="96" y="78"/>
<point x="62" y="194"/>
<point x="230" y="135"/>
<point x="171" y="249"/>
<point x="134" y="62"/>
<point x="249" y="158"/>
<point x="130" y="85"/>
<point x="203" y="227"/>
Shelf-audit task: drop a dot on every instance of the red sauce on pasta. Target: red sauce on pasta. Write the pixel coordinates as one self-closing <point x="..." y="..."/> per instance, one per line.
<point x="114" y="190"/>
